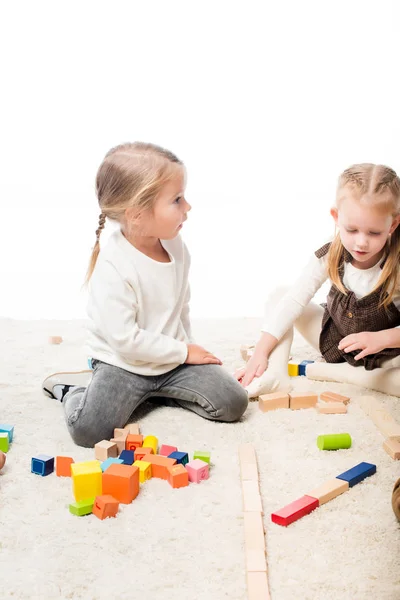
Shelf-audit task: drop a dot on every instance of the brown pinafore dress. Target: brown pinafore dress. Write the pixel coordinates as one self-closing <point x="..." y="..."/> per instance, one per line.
<point x="344" y="315"/>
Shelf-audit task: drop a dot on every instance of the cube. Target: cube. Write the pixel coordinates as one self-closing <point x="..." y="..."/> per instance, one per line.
<point x="144" y="470"/>
<point x="202" y="455"/>
<point x="303" y="366"/>
<point x="105" y="449"/>
<point x="198" y="470"/>
<point x="166" y="450"/>
<point x="121" y="482"/>
<point x="63" y="466"/>
<point x="120" y="442"/>
<point x="86" y="479"/>
<point x="132" y="428"/>
<point x="141" y="452"/>
<point x="105" y="506"/>
<point x="150" y="441"/>
<point x="82" y="508"/>
<point x="133" y="441"/>
<point x="293" y="368"/>
<point x="42" y="464"/>
<point x="127" y="457"/>
<point x="180" y="457"/>
<point x="9" y="429"/>
<point x="358" y="473"/>
<point x="178" y="476"/>
<point x="110" y="461"/>
<point x="160" y="465"/>
<point x="4" y="442"/>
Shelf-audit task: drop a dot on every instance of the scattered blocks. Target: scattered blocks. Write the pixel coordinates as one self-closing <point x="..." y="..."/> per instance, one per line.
<point x="160" y="465"/>
<point x="267" y="402"/>
<point x="144" y="470"/>
<point x="86" y="479"/>
<point x="9" y="429"/>
<point x="82" y="508"/>
<point x="141" y="452"/>
<point x="358" y="473"/>
<point x="295" y="510"/>
<point x="392" y="447"/>
<point x="167" y="450"/>
<point x="334" y="441"/>
<point x="303" y="366"/>
<point x="42" y="464"/>
<point x="110" y="461"/>
<point x="4" y="442"/>
<point x="150" y="441"/>
<point x="202" y="455"/>
<point x="331" y="408"/>
<point x="105" y="449"/>
<point x="329" y="490"/>
<point x="133" y="441"/>
<point x="178" y="476"/>
<point x="121" y="482"/>
<point x="198" y="470"/>
<point x="105" y="506"/>
<point x="332" y="397"/>
<point x="127" y="457"/>
<point x="302" y="400"/>
<point x="180" y="457"/>
<point x="63" y="466"/>
<point x="55" y="339"/>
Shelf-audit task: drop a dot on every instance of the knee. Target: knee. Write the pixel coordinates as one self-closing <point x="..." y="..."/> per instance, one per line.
<point x="237" y="404"/>
<point x="82" y="435"/>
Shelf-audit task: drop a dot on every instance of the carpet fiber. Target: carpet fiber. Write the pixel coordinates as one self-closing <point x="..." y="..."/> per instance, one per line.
<point x="188" y="544"/>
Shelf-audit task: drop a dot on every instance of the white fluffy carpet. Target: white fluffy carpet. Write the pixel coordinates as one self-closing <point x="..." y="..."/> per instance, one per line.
<point x="188" y="544"/>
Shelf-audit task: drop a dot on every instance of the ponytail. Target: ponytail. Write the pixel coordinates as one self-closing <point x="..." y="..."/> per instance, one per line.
<point x="96" y="248"/>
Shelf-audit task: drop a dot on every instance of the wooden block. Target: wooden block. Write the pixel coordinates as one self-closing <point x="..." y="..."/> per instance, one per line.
<point x="331" y="408"/>
<point x="141" y="452"/>
<point x="267" y="402"/>
<point x="4" y="442"/>
<point x="247" y="454"/>
<point x="293" y="368"/>
<point x="144" y="470"/>
<point x="332" y="397"/>
<point x="178" y="476"/>
<point x="105" y="506"/>
<point x="110" y="461"/>
<point x="202" y="455"/>
<point x="160" y="465"/>
<point x="303" y="366"/>
<point x="198" y="470"/>
<point x="383" y="420"/>
<point x="254" y="531"/>
<point x="81" y="508"/>
<point x="133" y="441"/>
<point x="166" y="450"/>
<point x="63" y="466"/>
<point x="255" y="560"/>
<point x="251" y="497"/>
<point x="118" y="432"/>
<point x="121" y="482"/>
<point x="150" y="441"/>
<point x="105" y="449"/>
<point x="294" y="511"/>
<point x="132" y="428"/>
<point x="329" y="490"/>
<point x="257" y="586"/>
<point x="55" y="339"/>
<point x="86" y="479"/>
<point x="120" y="443"/>
<point x="302" y="400"/>
<point x="358" y="473"/>
<point x="248" y="471"/>
<point x="392" y="447"/>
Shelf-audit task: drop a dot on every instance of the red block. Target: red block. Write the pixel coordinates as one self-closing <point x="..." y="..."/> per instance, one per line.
<point x="295" y="510"/>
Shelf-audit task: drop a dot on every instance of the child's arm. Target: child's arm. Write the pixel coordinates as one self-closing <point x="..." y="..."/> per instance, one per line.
<point x="371" y="342"/>
<point x="185" y="316"/>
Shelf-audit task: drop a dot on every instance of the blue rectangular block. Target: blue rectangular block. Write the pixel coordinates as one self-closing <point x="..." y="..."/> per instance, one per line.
<point x="127" y="457"/>
<point x="42" y="464"/>
<point x="110" y="461"/>
<point x="9" y="429"/>
<point x="302" y="366"/>
<point x="357" y="473"/>
<point x="181" y="457"/>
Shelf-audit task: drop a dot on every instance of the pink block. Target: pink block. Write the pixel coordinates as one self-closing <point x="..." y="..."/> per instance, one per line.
<point x="198" y="470"/>
<point x="295" y="510"/>
<point x="167" y="450"/>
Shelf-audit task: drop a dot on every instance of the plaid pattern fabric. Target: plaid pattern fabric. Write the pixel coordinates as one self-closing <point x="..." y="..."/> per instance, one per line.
<point x="344" y="315"/>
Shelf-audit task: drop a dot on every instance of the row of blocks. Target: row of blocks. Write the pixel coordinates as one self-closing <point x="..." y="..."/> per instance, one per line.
<point x="297" y="368"/>
<point x="332" y="403"/>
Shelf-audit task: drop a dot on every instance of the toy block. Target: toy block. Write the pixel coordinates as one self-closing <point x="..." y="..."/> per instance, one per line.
<point x="357" y="473"/>
<point x="294" y="511"/>
<point x="105" y="506"/>
<point x="121" y="482"/>
<point x="198" y="470"/>
<point x="166" y="450"/>
<point x="247" y="454"/>
<point x="121" y="442"/>
<point x="3" y="459"/>
<point x="267" y="402"/>
<point x="110" y="461"/>
<point x="334" y="441"/>
<point x="257" y="585"/>
<point x="329" y="490"/>
<point x="132" y="428"/>
<point x="302" y="400"/>
<point x="178" y="476"/>
<point x="160" y="465"/>
<point x="332" y="397"/>
<point x="248" y="472"/>
<point x="150" y="441"/>
<point x="127" y="457"/>
<point x="202" y="455"/>
<point x="254" y="531"/>
<point x="9" y="429"/>
<point x="55" y="339"/>
<point x="251" y="497"/>
<point x="133" y="441"/>
<point x="86" y="479"/>
<point x="119" y="433"/>
<point x="331" y="408"/>
<point x="4" y="442"/>
<point x="42" y="464"/>
<point x="63" y="466"/>
<point x="141" y="452"/>
<point x="303" y="366"/>
<point x="144" y="470"/>
<point x="392" y="447"/>
<point x="293" y="368"/>
<point x="382" y="419"/>
<point x="105" y="449"/>
<point x="255" y="560"/>
<point x="180" y="457"/>
<point x="82" y="508"/>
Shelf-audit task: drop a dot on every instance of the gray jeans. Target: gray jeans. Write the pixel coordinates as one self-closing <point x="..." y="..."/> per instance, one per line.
<point x="114" y="394"/>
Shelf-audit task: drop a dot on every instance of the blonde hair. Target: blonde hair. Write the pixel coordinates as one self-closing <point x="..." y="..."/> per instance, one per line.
<point x="376" y="186"/>
<point x="131" y="175"/>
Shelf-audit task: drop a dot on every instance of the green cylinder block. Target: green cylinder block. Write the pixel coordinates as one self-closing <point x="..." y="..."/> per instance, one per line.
<point x="334" y="441"/>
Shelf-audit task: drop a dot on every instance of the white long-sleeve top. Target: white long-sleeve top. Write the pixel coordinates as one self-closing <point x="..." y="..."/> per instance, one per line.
<point x="281" y="317"/>
<point x="138" y="307"/>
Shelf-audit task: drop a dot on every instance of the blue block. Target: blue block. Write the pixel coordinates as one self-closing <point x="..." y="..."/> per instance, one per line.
<point x="127" y="457"/>
<point x="180" y="457"/>
<point x="110" y="461"/>
<point x="357" y="473"/>
<point x="7" y="429"/>
<point x="302" y="366"/>
<point x="42" y="464"/>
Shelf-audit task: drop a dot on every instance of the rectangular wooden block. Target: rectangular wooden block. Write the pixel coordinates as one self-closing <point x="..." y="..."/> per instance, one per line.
<point x="254" y="531"/>
<point x="132" y="428"/>
<point x="329" y="490"/>
<point x="331" y="408"/>
<point x="247" y="454"/>
<point x="358" y="473"/>
<point x="333" y="397"/>
<point x="392" y="447"/>
<point x="383" y="420"/>
<point x="294" y="511"/>
<point x="257" y="586"/>
<point x="293" y="368"/>
<point x="251" y="497"/>
<point x="248" y="471"/>
<point x="302" y="400"/>
<point x="273" y="401"/>
<point x="160" y="465"/>
<point x="255" y="560"/>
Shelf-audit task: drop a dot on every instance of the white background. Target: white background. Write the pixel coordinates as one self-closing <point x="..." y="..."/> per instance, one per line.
<point x="265" y="102"/>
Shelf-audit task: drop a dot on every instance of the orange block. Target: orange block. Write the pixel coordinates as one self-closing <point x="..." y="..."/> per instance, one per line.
<point x="333" y="397"/>
<point x="178" y="476"/>
<point x="63" y="466"/>
<point x="133" y="441"/>
<point x="302" y="400"/>
<point x="160" y="465"/>
<point x="121" y="482"/>
<point x="105" y="506"/>
<point x="140" y="452"/>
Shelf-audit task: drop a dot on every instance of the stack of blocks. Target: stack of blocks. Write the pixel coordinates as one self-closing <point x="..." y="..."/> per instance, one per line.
<point x="332" y="403"/>
<point x="298" y="368"/>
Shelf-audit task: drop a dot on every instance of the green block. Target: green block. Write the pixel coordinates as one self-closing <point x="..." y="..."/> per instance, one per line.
<point x="4" y="442"/>
<point x="206" y="456"/>
<point x="84" y="507"/>
<point x="334" y="441"/>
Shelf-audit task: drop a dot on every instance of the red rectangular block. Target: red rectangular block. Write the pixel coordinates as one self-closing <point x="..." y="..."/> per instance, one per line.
<point x="295" y="510"/>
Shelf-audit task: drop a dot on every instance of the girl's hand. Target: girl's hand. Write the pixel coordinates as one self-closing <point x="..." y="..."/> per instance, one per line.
<point x="197" y="355"/>
<point x="370" y="342"/>
<point x="256" y="366"/>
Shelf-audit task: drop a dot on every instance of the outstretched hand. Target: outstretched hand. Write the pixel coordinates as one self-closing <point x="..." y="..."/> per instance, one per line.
<point x="255" y="367"/>
<point x="197" y="355"/>
<point x="369" y="342"/>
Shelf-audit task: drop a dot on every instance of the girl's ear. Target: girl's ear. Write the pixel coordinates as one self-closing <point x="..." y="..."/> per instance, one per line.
<point x="395" y="223"/>
<point x="132" y="215"/>
<point x="334" y="213"/>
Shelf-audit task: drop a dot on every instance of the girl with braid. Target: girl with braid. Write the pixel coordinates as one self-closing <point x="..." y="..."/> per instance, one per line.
<point x="140" y="340"/>
<point x="357" y="331"/>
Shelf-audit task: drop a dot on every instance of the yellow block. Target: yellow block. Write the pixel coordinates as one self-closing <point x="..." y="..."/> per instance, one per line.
<point x="144" y="469"/>
<point x="150" y="441"/>
<point x="293" y="369"/>
<point x="86" y="479"/>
